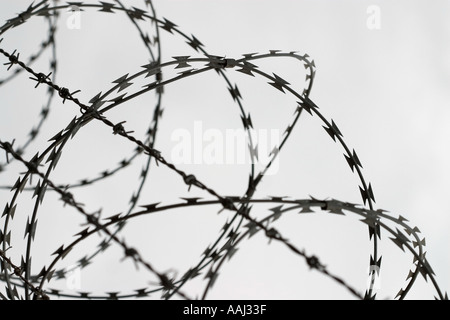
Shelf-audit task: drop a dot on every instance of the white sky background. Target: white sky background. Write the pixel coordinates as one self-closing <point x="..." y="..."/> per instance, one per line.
<point x="387" y="91"/>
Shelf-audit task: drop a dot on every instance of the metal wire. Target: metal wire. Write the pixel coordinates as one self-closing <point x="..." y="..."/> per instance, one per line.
<point x="20" y="283"/>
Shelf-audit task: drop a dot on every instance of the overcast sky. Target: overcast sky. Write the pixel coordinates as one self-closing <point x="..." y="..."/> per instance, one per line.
<point x="384" y="82"/>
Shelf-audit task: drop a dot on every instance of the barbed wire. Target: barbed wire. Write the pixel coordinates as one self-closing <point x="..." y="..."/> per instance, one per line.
<point x="235" y="231"/>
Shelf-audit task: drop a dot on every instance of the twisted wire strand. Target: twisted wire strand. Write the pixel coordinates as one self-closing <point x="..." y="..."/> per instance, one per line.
<point x="233" y="232"/>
